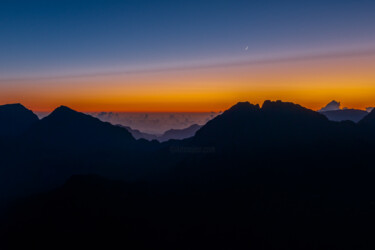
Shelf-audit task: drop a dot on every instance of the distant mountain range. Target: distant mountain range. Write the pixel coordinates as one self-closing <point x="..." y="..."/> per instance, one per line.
<point x="276" y="176"/>
<point x="155" y="123"/>
<point x="354" y="115"/>
<point x="334" y="112"/>
<point x="172" y="134"/>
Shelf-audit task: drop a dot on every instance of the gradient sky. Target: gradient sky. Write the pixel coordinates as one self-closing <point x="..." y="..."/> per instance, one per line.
<point x="186" y="56"/>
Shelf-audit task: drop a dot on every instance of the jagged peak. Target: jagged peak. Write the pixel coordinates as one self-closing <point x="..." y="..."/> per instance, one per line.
<point x="243" y="106"/>
<point x="332" y="106"/>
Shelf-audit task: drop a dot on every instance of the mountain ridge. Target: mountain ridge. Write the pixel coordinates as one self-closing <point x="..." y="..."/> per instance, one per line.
<point x="15" y="119"/>
<point x="248" y="169"/>
<point x="65" y="127"/>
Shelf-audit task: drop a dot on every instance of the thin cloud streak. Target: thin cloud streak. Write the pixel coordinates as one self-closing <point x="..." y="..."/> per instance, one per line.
<point x="238" y="63"/>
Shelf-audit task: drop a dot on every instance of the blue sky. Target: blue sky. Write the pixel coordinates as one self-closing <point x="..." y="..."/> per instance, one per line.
<point x="63" y="37"/>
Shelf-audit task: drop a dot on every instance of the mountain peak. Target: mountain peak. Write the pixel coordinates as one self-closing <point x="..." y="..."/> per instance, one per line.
<point x="64" y="113"/>
<point x="243" y="106"/>
<point x="15" y="119"/>
<point x="13" y="106"/>
<point x="65" y="127"/>
<point x="63" y="109"/>
<point x="332" y="106"/>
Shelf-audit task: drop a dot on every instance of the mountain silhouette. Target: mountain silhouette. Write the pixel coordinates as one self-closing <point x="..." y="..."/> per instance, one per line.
<point x="276" y="123"/>
<point x="66" y="128"/>
<point x="64" y="143"/>
<point x="235" y="124"/>
<point x="289" y="112"/>
<point x="279" y="176"/>
<point x="15" y="119"/>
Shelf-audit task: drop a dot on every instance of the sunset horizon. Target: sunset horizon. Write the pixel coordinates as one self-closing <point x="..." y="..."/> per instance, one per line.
<point x="187" y="124"/>
<point x="316" y="107"/>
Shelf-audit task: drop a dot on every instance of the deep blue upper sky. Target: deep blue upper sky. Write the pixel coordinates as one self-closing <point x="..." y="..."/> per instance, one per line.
<point x="39" y="37"/>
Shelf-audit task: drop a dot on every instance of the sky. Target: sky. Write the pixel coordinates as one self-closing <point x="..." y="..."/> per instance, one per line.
<point x="186" y="56"/>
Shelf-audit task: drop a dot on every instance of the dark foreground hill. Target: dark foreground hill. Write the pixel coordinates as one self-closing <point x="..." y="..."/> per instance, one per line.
<point x="278" y="176"/>
<point x="65" y="143"/>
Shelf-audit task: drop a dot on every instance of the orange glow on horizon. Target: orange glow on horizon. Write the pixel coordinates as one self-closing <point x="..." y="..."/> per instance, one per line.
<point x="310" y="84"/>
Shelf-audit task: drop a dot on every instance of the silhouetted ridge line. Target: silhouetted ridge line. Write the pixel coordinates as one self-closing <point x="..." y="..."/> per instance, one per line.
<point x="243" y="107"/>
<point x="13" y="106"/>
<point x="275" y="175"/>
<point x="66" y="112"/>
<point x="70" y="129"/>
<point x="290" y="112"/>
<point x="230" y="128"/>
<point x="289" y="107"/>
<point x="63" y="108"/>
<point x="246" y="126"/>
<point x="15" y="119"/>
